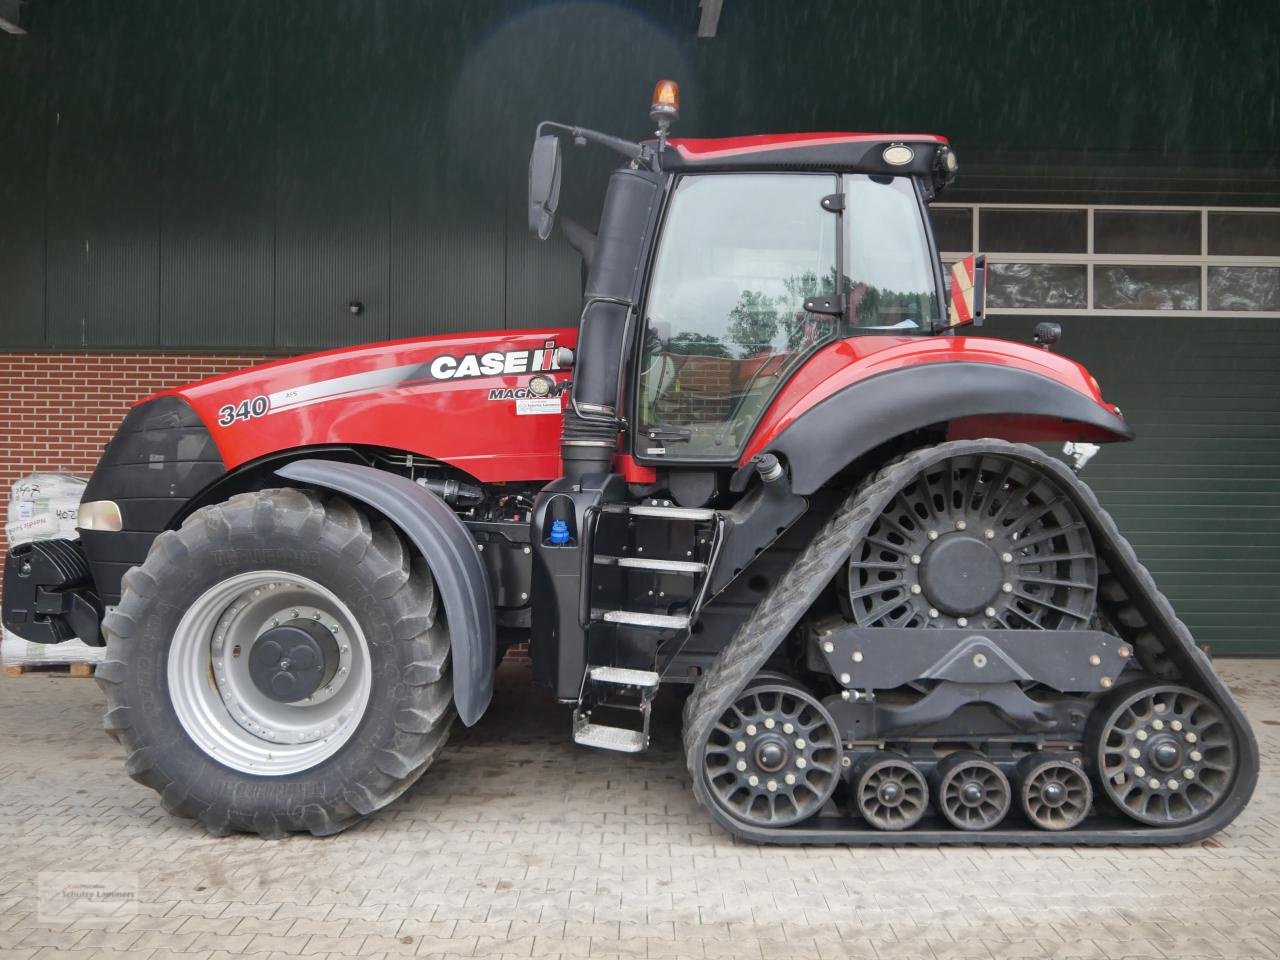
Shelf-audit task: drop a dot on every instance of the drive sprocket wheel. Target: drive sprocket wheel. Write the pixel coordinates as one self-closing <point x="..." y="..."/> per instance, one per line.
<point x="971" y="791"/>
<point x="889" y="791"/>
<point x="1054" y="791"/>
<point x="975" y="540"/>
<point x="773" y="758"/>
<point x="1164" y="754"/>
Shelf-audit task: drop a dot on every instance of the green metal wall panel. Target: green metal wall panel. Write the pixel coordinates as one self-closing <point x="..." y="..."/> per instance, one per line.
<point x="217" y="182"/>
<point x="332" y="228"/>
<point x="23" y="83"/>
<point x="233" y="173"/>
<point x="1198" y="492"/>
<point x="448" y="209"/>
<point x="103" y="171"/>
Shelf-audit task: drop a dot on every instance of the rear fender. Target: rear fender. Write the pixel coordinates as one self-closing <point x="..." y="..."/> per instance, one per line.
<point x="450" y="552"/>
<point x="969" y="398"/>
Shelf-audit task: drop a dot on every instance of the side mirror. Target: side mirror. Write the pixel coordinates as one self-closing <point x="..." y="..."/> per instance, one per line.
<point x="968" y="291"/>
<point x="544" y="185"/>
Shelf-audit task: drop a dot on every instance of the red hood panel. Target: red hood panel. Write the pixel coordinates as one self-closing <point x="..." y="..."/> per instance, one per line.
<point x="457" y="398"/>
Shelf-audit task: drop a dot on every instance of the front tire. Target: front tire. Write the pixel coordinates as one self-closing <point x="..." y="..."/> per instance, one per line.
<point x="279" y="664"/>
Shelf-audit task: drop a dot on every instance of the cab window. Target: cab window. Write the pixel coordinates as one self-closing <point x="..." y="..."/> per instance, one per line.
<point x="890" y="284"/>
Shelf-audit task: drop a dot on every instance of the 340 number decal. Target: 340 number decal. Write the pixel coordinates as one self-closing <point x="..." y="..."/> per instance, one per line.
<point x="244" y="410"/>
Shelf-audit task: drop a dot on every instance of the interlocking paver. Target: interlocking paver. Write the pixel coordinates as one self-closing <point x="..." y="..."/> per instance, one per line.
<point x="522" y="845"/>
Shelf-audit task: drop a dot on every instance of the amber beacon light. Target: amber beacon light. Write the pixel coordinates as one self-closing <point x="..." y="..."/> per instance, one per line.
<point x="666" y="105"/>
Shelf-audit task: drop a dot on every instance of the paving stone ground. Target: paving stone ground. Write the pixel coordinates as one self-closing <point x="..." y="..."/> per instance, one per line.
<point x="517" y="843"/>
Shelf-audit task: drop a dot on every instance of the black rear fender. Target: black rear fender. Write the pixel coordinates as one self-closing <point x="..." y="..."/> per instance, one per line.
<point x="450" y="551"/>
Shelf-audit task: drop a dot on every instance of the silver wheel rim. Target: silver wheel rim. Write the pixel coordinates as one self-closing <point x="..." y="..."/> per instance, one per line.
<point x="216" y="700"/>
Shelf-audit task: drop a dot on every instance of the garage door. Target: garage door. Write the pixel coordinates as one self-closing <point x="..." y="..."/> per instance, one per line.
<point x="1176" y="311"/>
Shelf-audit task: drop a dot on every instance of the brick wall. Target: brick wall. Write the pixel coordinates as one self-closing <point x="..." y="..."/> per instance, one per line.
<point x="701" y="392"/>
<point x="61" y="408"/>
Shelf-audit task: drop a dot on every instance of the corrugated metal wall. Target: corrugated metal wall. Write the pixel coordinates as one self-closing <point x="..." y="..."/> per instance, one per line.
<point x="234" y="173"/>
<point x="228" y="174"/>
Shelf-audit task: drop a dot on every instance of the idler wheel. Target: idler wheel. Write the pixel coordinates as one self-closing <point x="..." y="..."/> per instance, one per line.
<point x="1164" y="754"/>
<point x="773" y="758"/>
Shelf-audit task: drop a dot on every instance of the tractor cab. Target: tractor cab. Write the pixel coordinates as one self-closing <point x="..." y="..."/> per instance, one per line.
<point x="722" y="266"/>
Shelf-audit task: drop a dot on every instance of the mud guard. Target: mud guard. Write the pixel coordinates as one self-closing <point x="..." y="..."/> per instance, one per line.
<point x="825" y="439"/>
<point x="450" y="552"/>
<point x="784" y="605"/>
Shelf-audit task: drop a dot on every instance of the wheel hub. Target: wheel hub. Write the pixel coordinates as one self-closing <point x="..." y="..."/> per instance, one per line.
<point x="291" y="662"/>
<point x="771" y="755"/>
<point x="890" y="793"/>
<point x="1053" y="793"/>
<point x="960" y="574"/>
<point x="971" y="793"/>
<point x="1165" y="754"/>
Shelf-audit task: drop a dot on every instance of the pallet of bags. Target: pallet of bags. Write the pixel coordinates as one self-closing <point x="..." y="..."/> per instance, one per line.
<point x="43" y="506"/>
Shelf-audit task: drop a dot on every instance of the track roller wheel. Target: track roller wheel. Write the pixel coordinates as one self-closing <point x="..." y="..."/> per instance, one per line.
<point x="971" y="791"/>
<point x="773" y="758"/>
<point x="1165" y="755"/>
<point x="889" y="791"/>
<point x="1054" y="791"/>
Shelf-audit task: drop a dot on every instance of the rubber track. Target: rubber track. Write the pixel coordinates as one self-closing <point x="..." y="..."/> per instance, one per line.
<point x="1129" y="596"/>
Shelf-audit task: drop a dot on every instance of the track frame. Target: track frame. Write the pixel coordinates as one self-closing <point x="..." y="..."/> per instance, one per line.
<point x="1129" y="596"/>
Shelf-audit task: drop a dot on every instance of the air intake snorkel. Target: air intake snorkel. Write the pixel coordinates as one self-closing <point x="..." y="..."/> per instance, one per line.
<point x="615" y="266"/>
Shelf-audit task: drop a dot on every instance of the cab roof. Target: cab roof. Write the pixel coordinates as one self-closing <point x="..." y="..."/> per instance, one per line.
<point x="855" y="152"/>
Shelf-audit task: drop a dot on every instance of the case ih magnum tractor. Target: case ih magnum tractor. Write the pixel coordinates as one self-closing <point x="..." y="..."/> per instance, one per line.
<point x="765" y="466"/>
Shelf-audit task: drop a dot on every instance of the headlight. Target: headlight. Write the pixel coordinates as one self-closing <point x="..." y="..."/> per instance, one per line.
<point x="99" y="515"/>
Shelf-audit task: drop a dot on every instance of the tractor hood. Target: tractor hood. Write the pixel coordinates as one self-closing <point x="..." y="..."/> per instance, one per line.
<point x="459" y="399"/>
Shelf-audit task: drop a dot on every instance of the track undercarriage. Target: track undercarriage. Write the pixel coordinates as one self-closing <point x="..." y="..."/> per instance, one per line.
<point x="968" y="651"/>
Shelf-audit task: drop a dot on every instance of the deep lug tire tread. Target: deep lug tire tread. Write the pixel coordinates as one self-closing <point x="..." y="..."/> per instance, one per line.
<point x="403" y="588"/>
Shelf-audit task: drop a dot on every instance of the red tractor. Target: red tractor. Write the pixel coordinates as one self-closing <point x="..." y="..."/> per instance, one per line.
<point x="766" y="466"/>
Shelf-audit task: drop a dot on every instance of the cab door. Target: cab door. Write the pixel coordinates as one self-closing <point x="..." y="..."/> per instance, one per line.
<point x="743" y="291"/>
<point x="725" y="318"/>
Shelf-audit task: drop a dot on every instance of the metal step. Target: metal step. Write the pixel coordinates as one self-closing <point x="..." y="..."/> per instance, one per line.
<point x="667" y="513"/>
<point x="640" y="563"/>
<point x="635" y="618"/>
<point x="610" y="738"/>
<point x="621" y="676"/>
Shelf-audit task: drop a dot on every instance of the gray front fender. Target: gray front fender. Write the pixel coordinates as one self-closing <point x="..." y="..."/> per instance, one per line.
<point x="450" y="552"/>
